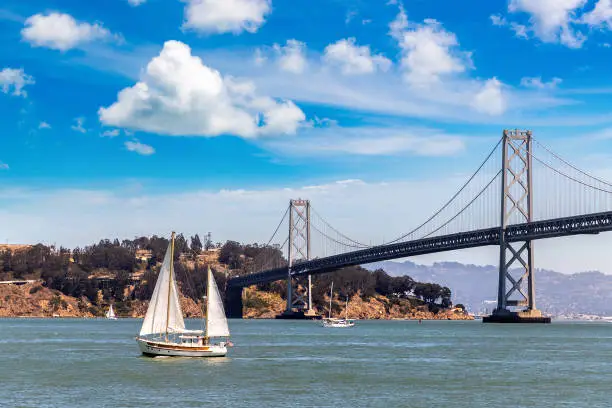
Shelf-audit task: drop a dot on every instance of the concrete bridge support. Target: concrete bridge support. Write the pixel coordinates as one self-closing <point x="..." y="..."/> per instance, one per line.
<point x="233" y="302"/>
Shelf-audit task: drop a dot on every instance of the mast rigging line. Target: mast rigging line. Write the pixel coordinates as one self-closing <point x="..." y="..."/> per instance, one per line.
<point x="452" y="198"/>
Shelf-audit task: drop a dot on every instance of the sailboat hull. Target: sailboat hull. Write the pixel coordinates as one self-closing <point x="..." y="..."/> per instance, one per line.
<point x="154" y="349"/>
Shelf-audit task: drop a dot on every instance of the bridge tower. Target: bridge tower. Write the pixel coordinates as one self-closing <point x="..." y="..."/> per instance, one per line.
<point x="299" y="291"/>
<point x="516" y="272"/>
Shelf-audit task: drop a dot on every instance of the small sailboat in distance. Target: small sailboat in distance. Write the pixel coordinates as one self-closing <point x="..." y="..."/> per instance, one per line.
<point x="163" y="331"/>
<point x="110" y="314"/>
<point x="335" y="322"/>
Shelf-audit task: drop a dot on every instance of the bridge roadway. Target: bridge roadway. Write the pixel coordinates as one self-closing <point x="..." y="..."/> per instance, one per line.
<point x="559" y="227"/>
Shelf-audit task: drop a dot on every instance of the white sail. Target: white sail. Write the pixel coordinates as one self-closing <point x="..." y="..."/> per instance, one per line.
<point x="111" y="313"/>
<point x="164" y="313"/>
<point x="216" y="323"/>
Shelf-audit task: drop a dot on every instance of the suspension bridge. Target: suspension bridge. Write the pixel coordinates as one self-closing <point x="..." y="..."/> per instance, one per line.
<point x="495" y="206"/>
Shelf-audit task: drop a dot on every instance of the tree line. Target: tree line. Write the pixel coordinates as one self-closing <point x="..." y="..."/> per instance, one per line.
<point x="113" y="263"/>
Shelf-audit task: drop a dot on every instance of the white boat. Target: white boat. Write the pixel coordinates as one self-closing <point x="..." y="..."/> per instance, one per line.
<point x="163" y="331"/>
<point x="337" y="322"/>
<point x="110" y="314"/>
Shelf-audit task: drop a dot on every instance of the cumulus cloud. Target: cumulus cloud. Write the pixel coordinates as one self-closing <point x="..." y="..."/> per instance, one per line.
<point x="14" y="80"/>
<point x="44" y="125"/>
<point x="140" y="148"/>
<point x="4" y="166"/>
<point x="429" y="52"/>
<point x="552" y="21"/>
<point x="61" y="31"/>
<point x="292" y="56"/>
<point x="354" y="59"/>
<point x="179" y="95"/>
<point x="136" y="3"/>
<point x="490" y="99"/>
<point x="224" y="16"/>
<point x="600" y="15"/>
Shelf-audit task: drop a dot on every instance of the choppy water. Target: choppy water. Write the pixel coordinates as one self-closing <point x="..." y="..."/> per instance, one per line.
<point x="75" y="363"/>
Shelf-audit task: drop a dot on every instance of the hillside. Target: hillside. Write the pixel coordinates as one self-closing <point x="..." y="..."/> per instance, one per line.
<point x="557" y="293"/>
<point x="85" y="281"/>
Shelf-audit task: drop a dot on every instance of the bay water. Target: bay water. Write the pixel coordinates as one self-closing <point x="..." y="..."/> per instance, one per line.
<point x="96" y="362"/>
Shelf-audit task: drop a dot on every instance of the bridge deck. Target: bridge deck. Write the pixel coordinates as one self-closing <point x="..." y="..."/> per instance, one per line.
<point x="586" y="224"/>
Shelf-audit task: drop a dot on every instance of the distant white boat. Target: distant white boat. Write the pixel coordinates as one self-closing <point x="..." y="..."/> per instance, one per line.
<point x="163" y="331"/>
<point x="336" y="322"/>
<point x="110" y="314"/>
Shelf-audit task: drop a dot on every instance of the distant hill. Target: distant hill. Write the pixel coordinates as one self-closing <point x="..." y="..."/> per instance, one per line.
<point x="556" y="293"/>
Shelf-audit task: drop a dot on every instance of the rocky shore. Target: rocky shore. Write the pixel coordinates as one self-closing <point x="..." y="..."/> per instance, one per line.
<point x="35" y="300"/>
<point x="266" y="305"/>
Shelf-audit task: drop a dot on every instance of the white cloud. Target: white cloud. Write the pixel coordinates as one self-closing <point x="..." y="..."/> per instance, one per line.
<point x="179" y="95"/>
<point x="600" y="15"/>
<point x="136" y="3"/>
<point x="536" y="82"/>
<point x="552" y="20"/>
<point x="44" y="125"/>
<point x="363" y="141"/>
<point x="140" y="148"/>
<point x="110" y="133"/>
<point x="498" y="20"/>
<point x="4" y="166"/>
<point x="354" y="59"/>
<point x="61" y="31"/>
<point x="79" y="125"/>
<point x="224" y="16"/>
<point x="292" y="57"/>
<point x="14" y="80"/>
<point x="429" y="52"/>
<point x="490" y="99"/>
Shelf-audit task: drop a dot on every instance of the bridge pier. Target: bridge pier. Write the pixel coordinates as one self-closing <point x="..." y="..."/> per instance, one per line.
<point x="516" y="206"/>
<point x="233" y="302"/>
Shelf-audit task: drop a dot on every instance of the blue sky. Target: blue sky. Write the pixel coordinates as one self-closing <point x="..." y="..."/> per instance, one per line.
<point x="111" y="103"/>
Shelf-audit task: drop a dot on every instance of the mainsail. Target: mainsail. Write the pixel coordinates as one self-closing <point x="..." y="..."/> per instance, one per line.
<point x="164" y="313"/>
<point x="216" y="323"/>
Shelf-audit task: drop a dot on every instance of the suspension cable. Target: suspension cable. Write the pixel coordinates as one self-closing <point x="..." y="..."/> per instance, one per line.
<point x="464" y="208"/>
<point x="336" y="231"/>
<point x="569" y="164"/>
<point x="452" y="198"/>
<point x="335" y="240"/>
<point x="570" y="177"/>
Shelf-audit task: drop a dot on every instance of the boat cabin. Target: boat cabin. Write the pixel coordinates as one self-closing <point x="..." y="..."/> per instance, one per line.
<point x="191" y="340"/>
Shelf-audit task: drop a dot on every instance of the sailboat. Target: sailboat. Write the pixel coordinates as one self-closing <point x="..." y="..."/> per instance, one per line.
<point x="110" y="314"/>
<point x="163" y="331"/>
<point x="335" y="322"/>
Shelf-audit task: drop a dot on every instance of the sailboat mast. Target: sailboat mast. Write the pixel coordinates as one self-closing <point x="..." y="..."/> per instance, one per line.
<point x="346" y="309"/>
<point x="170" y="284"/>
<point x="331" y="294"/>
<point x="208" y="278"/>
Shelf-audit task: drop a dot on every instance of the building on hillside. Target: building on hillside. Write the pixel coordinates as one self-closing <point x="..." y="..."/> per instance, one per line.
<point x="209" y="256"/>
<point x="143" y="255"/>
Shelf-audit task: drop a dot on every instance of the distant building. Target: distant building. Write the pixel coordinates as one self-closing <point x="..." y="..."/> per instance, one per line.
<point x="143" y="255"/>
